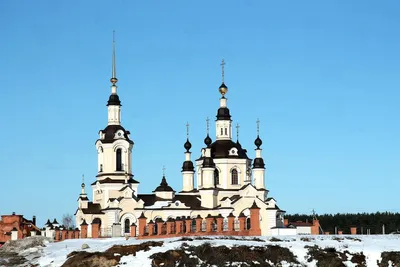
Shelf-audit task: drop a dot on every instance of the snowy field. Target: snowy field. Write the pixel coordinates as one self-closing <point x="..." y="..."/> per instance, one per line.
<point x="55" y="254"/>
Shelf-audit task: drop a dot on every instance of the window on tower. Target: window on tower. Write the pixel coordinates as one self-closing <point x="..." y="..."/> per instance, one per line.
<point x="216" y="177"/>
<point x="101" y="167"/>
<point x="222" y="131"/>
<point x="119" y="159"/>
<point x="226" y="131"/>
<point x="234" y="176"/>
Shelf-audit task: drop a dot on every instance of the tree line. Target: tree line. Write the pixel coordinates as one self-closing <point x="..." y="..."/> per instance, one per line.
<point x="365" y="222"/>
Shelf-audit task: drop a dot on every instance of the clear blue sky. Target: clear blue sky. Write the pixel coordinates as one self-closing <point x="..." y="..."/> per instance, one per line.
<point x="322" y="76"/>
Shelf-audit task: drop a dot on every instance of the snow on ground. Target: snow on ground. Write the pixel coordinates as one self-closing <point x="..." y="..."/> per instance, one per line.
<point x="55" y="254"/>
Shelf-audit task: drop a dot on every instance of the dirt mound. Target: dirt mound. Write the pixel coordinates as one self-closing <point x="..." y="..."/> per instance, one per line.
<point x="108" y="258"/>
<point x="391" y="256"/>
<point x="207" y="255"/>
<point x="329" y="256"/>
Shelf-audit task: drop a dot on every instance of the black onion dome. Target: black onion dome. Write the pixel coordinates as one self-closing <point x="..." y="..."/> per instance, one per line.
<point x="223" y="114"/>
<point x="187" y="166"/>
<point x="163" y="186"/>
<point x="187" y="145"/>
<point x="258" y="163"/>
<point x="207" y="140"/>
<point x="258" y="142"/>
<point x="208" y="163"/>
<point x="114" y="100"/>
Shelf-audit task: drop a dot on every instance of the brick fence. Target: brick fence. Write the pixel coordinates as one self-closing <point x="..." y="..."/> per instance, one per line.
<point x="186" y="226"/>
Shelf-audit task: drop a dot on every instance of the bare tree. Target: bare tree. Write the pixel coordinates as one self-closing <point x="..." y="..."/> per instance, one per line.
<point x="68" y="221"/>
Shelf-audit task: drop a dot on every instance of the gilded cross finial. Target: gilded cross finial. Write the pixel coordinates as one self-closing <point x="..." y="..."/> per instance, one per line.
<point x="163" y="170"/>
<point x="187" y="129"/>
<point x="83" y="178"/>
<point x="258" y="126"/>
<point x="223" y="70"/>
<point x="237" y="131"/>
<point x="208" y="125"/>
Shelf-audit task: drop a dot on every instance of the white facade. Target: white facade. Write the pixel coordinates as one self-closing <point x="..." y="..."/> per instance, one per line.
<point x="226" y="182"/>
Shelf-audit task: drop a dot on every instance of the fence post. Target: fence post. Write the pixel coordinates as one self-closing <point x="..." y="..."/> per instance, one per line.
<point x="84" y="228"/>
<point x="76" y="233"/>
<point x="188" y="222"/>
<point x="178" y="223"/>
<point x="133" y="230"/>
<point x="96" y="228"/>
<point x="57" y="231"/>
<point x="220" y="223"/>
<point x="231" y="222"/>
<point x="255" y="220"/>
<point x="160" y="224"/>
<point x="242" y="222"/>
<point x="199" y="220"/>
<point x="63" y="234"/>
<point x="142" y="224"/>
<point x="209" y="221"/>
<point x="151" y="227"/>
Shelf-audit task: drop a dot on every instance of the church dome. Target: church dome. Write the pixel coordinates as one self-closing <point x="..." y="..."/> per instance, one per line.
<point x="163" y="186"/>
<point x="110" y="133"/>
<point x="258" y="142"/>
<point x="187" y="166"/>
<point x="207" y="140"/>
<point x="222" y="149"/>
<point x="223" y="89"/>
<point x="223" y="114"/>
<point x="208" y="163"/>
<point x="187" y="145"/>
<point x="114" y="100"/>
<point x="258" y="163"/>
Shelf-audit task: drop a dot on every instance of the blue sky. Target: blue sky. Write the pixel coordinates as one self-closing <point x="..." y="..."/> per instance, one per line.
<point x="322" y="77"/>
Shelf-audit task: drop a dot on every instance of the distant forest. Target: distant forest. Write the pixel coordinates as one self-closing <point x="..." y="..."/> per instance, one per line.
<point x="363" y="222"/>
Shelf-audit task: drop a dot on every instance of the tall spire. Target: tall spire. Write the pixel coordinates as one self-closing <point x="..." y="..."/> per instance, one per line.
<point x="113" y="79"/>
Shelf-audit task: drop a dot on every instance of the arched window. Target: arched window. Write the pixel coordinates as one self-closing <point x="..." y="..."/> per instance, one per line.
<point x="248" y="224"/>
<point x="119" y="159"/>
<point x="101" y="167"/>
<point x="222" y="131"/>
<point x="127" y="226"/>
<point x="216" y="177"/>
<point x="235" y="179"/>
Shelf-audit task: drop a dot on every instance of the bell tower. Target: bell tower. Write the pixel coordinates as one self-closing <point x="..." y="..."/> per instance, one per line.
<point x="114" y="146"/>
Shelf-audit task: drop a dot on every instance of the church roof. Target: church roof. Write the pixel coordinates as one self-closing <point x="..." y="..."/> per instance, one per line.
<point x="164" y="187"/>
<point x="221" y="149"/>
<point x="110" y="131"/>
<point x="108" y="180"/>
<point x="191" y="201"/>
<point x="93" y="208"/>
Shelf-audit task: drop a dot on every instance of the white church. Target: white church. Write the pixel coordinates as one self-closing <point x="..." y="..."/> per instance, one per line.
<point x="220" y="181"/>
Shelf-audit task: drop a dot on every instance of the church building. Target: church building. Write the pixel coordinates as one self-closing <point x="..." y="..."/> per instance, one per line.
<point x="221" y="181"/>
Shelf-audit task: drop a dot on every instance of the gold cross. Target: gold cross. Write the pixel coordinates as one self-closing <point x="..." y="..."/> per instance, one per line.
<point x="163" y="170"/>
<point x="223" y="70"/>
<point x="83" y="178"/>
<point x="187" y="129"/>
